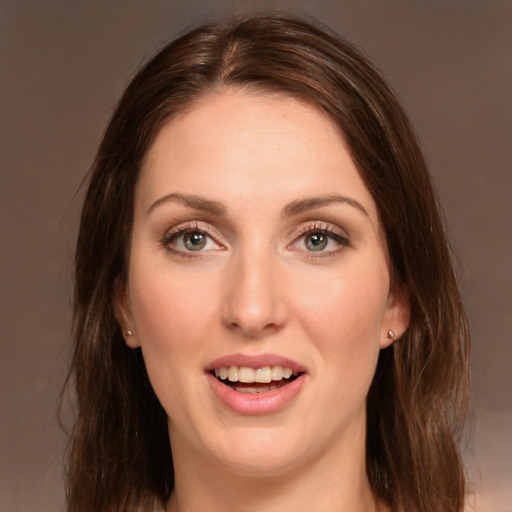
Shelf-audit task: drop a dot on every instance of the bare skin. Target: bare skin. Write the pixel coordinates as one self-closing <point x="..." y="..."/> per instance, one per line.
<point x="254" y="234"/>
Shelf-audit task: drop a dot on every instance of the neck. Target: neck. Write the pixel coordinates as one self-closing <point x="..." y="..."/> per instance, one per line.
<point x="332" y="481"/>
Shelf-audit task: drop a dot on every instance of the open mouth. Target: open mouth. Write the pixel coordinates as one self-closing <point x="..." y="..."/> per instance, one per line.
<point x="255" y="380"/>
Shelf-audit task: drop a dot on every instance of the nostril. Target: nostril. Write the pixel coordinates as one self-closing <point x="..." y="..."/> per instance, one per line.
<point x="254" y="331"/>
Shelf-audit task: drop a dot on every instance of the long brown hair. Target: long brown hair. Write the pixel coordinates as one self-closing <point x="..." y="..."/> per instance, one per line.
<point x="120" y="458"/>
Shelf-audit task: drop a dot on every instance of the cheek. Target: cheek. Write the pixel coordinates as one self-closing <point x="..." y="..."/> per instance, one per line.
<point x="345" y="310"/>
<point x="170" y="309"/>
<point x="343" y="320"/>
<point x="173" y="318"/>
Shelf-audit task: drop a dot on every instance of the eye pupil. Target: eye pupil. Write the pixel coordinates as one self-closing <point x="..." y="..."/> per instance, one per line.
<point x="316" y="241"/>
<point x="194" y="241"/>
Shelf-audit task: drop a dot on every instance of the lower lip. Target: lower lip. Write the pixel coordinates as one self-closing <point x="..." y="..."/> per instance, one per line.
<point x="267" y="402"/>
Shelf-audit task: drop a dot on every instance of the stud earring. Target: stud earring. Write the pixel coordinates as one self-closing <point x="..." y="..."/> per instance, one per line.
<point x="128" y="333"/>
<point x="391" y="335"/>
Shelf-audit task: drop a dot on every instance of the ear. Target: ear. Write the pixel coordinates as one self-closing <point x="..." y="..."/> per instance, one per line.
<point x="397" y="316"/>
<point x="124" y="317"/>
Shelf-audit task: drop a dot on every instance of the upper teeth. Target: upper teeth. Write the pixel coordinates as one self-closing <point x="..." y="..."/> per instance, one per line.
<point x="245" y="374"/>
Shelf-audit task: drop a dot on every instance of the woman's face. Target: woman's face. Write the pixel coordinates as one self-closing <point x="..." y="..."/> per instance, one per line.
<point x="256" y="253"/>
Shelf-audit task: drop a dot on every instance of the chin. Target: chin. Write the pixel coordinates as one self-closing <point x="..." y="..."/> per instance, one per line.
<point x="260" y="451"/>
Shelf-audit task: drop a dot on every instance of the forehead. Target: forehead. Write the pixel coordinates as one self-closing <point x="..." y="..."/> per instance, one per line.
<point x="250" y="146"/>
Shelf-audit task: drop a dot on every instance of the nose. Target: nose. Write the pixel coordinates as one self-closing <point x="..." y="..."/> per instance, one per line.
<point x="254" y="304"/>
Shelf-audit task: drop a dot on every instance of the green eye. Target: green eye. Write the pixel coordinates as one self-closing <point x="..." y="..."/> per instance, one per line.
<point x="316" y="241"/>
<point x="194" y="241"/>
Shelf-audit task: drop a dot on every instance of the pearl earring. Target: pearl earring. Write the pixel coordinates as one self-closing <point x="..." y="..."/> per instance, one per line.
<point x="391" y="335"/>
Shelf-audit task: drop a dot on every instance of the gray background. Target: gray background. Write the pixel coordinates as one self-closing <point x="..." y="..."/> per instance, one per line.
<point x="64" y="64"/>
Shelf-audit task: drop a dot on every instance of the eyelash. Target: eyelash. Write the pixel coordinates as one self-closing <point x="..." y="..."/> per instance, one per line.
<point x="324" y="229"/>
<point x="193" y="227"/>
<point x="181" y="230"/>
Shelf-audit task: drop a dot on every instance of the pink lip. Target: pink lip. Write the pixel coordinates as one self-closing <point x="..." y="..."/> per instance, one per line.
<point x="258" y="361"/>
<point x="267" y="402"/>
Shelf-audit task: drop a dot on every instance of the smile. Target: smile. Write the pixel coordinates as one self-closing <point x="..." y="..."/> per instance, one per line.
<point x="256" y="385"/>
<point x="255" y="380"/>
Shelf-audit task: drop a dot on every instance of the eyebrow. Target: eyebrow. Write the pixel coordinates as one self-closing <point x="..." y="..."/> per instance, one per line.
<point x="294" y="208"/>
<point x="196" y="202"/>
<point x="310" y="203"/>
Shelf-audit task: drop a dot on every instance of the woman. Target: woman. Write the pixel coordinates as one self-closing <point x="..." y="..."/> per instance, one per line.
<point x="266" y="313"/>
